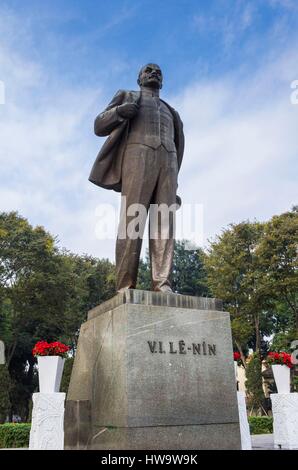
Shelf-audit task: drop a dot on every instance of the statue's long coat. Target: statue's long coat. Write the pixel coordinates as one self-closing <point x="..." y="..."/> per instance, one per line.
<point x="107" y="169"/>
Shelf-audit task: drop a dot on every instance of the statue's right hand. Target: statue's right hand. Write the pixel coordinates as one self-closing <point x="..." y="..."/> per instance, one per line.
<point x="127" y="110"/>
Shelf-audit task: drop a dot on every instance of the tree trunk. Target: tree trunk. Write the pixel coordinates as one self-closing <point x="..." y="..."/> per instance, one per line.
<point x="258" y="335"/>
<point x="11" y="351"/>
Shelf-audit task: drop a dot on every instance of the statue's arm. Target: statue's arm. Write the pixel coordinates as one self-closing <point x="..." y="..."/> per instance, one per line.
<point x="109" y="119"/>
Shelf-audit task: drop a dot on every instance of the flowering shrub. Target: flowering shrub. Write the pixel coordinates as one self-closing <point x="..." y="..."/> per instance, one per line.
<point x="281" y="358"/>
<point x="42" y="348"/>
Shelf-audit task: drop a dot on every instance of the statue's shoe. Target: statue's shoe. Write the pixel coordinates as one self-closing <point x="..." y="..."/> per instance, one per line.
<point x="164" y="289"/>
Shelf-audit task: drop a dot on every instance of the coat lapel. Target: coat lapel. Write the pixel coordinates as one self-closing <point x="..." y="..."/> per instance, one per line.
<point x="107" y="169"/>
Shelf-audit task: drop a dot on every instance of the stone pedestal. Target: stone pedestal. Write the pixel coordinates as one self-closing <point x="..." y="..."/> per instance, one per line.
<point x="47" y="421"/>
<point x="285" y="420"/>
<point x="244" y="426"/>
<point x="154" y="371"/>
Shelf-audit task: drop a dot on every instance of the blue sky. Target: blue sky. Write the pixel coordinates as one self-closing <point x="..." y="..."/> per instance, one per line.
<point x="228" y="66"/>
<point x="87" y="41"/>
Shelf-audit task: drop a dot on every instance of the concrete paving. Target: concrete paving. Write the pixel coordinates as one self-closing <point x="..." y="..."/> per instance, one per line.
<point x="262" y="442"/>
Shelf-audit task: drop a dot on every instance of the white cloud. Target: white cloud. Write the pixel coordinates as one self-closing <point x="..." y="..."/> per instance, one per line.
<point x="241" y="145"/>
<point x="235" y="19"/>
<point x="47" y="148"/>
<point x="240" y="158"/>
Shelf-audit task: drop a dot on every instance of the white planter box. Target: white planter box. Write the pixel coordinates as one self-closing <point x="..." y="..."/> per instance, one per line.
<point x="50" y="370"/>
<point x="47" y="427"/>
<point x="285" y="420"/>
<point x="281" y="375"/>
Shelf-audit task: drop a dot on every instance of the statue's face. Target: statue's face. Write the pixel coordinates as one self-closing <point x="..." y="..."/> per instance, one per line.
<point x="150" y="76"/>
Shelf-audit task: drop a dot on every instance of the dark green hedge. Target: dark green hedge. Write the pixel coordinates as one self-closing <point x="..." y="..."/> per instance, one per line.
<point x="17" y="435"/>
<point x="14" y="435"/>
<point x="260" y="424"/>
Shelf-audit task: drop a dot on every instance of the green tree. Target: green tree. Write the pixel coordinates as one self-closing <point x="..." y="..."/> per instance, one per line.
<point x="88" y="282"/>
<point x="28" y="278"/>
<point x="254" y="385"/>
<point x="188" y="272"/>
<point x="45" y="294"/>
<point x="233" y="274"/>
<point x="144" y="274"/>
<point x="66" y="374"/>
<point x="278" y="256"/>
<point x="5" y="386"/>
<point x="284" y="331"/>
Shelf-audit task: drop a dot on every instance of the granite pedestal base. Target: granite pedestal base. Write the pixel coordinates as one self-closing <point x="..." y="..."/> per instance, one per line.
<point x="285" y="420"/>
<point x="47" y="421"/>
<point x="153" y="371"/>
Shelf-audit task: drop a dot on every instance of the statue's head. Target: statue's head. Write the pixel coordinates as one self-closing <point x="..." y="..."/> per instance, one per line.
<point x="150" y="76"/>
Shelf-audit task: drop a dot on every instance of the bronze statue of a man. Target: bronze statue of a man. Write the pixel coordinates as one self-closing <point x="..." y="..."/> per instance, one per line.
<point x="141" y="158"/>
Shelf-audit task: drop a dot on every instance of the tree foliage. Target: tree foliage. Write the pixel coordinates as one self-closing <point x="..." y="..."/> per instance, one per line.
<point x="66" y="374"/>
<point x="188" y="272"/>
<point x="233" y="275"/>
<point x="254" y="384"/>
<point x="278" y="256"/>
<point x="5" y="385"/>
<point x="45" y="293"/>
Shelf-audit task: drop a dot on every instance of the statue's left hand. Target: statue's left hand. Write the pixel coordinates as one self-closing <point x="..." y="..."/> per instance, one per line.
<point x="127" y="110"/>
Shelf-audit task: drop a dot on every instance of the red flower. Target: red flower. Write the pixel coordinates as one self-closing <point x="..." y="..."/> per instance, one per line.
<point x="281" y="358"/>
<point x="42" y="348"/>
<point x="237" y="356"/>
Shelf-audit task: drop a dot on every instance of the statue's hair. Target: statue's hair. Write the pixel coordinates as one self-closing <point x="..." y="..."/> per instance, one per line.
<point x="141" y="71"/>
